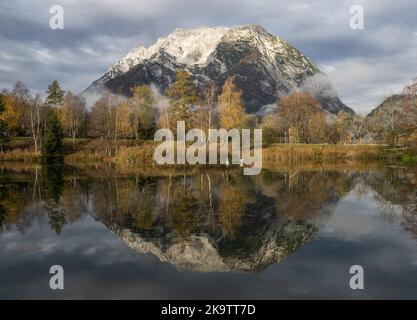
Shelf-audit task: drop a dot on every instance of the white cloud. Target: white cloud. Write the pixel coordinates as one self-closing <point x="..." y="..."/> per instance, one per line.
<point x="363" y="82"/>
<point x="363" y="65"/>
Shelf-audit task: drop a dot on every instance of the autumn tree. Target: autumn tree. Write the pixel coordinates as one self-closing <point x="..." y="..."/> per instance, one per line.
<point x="231" y="110"/>
<point x="22" y="113"/>
<point x="15" y="104"/>
<point x="21" y="97"/>
<point x="358" y="126"/>
<point x="35" y="112"/>
<point x="407" y="116"/>
<point x="271" y="131"/>
<point x="342" y="125"/>
<point x="206" y="113"/>
<point x="144" y="112"/>
<point x="384" y="123"/>
<point x="182" y="96"/>
<point x="123" y="121"/>
<point x="102" y="117"/>
<point x="11" y="117"/>
<point x="317" y="128"/>
<point x="2" y="108"/>
<point x="294" y="112"/>
<point x="72" y="115"/>
<point x="201" y="118"/>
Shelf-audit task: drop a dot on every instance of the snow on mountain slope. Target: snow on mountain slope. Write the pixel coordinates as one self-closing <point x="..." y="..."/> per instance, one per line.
<point x="266" y="67"/>
<point x="190" y="47"/>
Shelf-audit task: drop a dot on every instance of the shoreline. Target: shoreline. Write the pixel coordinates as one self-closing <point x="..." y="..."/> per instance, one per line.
<point x="132" y="154"/>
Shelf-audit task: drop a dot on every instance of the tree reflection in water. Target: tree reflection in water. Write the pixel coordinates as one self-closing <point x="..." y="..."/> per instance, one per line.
<point x="208" y="220"/>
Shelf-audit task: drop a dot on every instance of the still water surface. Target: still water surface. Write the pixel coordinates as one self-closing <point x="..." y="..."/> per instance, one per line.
<point x="288" y="233"/>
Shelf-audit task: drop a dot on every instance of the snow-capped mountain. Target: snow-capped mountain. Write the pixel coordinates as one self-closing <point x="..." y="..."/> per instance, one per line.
<point x="266" y="67"/>
<point x="189" y="47"/>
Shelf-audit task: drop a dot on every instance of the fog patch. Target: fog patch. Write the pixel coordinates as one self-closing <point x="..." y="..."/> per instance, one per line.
<point x="162" y="101"/>
<point x="94" y="93"/>
<point x="267" y="109"/>
<point x="319" y="85"/>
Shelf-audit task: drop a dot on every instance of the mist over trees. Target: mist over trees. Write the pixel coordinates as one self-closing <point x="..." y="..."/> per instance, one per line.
<point x="298" y="117"/>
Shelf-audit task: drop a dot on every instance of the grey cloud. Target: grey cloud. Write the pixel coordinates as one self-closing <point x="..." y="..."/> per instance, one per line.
<point x="97" y="33"/>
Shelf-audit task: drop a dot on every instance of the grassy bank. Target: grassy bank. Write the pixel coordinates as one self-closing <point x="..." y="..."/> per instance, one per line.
<point x="131" y="153"/>
<point x="294" y="153"/>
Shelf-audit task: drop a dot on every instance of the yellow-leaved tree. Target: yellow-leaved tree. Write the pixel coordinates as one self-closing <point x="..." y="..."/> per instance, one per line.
<point x="72" y="115"/>
<point x="123" y="125"/>
<point x="231" y="110"/>
<point x="12" y="115"/>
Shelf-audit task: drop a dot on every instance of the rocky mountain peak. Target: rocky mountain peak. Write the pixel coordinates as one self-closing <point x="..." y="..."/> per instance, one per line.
<point x="266" y="67"/>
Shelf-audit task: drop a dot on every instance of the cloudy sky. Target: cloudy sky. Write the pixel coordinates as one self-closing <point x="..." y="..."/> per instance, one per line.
<point x="364" y="65"/>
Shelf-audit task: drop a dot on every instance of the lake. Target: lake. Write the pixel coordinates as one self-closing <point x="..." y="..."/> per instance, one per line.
<point x="288" y="233"/>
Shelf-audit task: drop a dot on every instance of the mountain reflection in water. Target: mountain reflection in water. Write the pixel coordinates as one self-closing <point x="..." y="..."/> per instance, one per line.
<point x="204" y="220"/>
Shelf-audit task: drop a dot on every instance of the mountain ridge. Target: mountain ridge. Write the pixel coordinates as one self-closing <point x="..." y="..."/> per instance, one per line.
<point x="266" y="67"/>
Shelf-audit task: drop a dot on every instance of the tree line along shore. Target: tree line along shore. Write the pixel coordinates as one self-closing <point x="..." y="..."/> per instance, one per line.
<point x="120" y="129"/>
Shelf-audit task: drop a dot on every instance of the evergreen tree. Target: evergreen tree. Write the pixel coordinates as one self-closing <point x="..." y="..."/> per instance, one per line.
<point x="53" y="186"/>
<point x="55" y="95"/>
<point x="183" y="95"/>
<point x="52" y="147"/>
